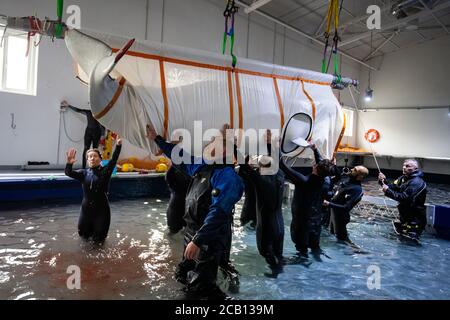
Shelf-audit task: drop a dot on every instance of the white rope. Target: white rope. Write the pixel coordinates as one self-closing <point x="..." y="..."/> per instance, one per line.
<point x="371" y="147"/>
<point x="65" y="131"/>
<point x="364" y="127"/>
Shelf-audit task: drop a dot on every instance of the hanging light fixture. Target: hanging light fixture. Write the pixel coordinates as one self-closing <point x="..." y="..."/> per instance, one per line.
<point x="369" y="91"/>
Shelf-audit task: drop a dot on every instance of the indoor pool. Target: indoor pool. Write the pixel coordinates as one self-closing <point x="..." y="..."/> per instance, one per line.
<point x="38" y="244"/>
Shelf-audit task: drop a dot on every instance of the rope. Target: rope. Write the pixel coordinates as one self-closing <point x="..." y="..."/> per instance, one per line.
<point x="65" y="131"/>
<point x="3" y="36"/>
<point x="371" y="147"/>
<point x="364" y="127"/>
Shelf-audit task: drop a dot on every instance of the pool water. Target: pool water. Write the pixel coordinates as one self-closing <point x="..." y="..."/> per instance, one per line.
<point x="139" y="257"/>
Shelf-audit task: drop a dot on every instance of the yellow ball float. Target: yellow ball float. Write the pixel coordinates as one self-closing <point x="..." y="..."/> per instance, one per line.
<point x="161" y="167"/>
<point x="127" y="167"/>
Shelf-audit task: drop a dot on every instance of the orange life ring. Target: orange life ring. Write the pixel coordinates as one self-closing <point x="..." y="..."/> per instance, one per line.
<point x="372" y="135"/>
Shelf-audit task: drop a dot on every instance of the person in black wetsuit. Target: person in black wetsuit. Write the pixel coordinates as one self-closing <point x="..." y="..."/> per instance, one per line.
<point x="328" y="192"/>
<point x="410" y="190"/>
<point x="268" y="186"/>
<point x="210" y="199"/>
<point x="94" y="130"/>
<point x="178" y="183"/>
<point x="348" y="194"/>
<point x="95" y="215"/>
<point x="306" y="204"/>
<point x="248" y="212"/>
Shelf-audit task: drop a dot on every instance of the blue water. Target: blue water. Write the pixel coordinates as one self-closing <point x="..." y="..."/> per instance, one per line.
<point x="37" y="246"/>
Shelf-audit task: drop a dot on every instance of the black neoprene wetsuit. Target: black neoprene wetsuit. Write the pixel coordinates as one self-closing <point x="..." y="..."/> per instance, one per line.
<point x="95" y="215"/>
<point x="93" y="131"/>
<point x="178" y="182"/>
<point x="306" y="207"/>
<point x="349" y="193"/>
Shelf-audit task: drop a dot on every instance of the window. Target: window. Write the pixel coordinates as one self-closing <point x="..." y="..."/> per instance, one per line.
<point x="349" y="127"/>
<point x="17" y="70"/>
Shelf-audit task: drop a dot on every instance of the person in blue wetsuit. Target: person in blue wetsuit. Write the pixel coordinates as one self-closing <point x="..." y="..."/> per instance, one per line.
<point x="95" y="215"/>
<point x="306" y="204"/>
<point x="210" y="199"/>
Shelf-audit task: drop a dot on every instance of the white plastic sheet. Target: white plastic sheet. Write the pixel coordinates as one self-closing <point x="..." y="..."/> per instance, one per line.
<point x="197" y="89"/>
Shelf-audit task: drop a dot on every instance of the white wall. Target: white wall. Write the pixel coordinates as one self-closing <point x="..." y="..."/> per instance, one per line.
<point x="416" y="76"/>
<point x="194" y="23"/>
<point x="411" y="77"/>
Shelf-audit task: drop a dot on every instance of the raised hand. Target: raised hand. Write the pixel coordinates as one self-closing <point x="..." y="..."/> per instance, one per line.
<point x="64" y="104"/>
<point x="268" y="136"/>
<point x="118" y="140"/>
<point x="312" y="145"/>
<point x="71" y="154"/>
<point x="151" y="132"/>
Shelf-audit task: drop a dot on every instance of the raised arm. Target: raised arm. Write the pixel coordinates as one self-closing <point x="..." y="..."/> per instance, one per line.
<point x="113" y="161"/>
<point x="354" y="196"/>
<point x="229" y="188"/>
<point x="317" y="156"/>
<point x="413" y="189"/>
<point x="65" y="104"/>
<point x="295" y="177"/>
<point x="165" y="146"/>
<point x="71" y="159"/>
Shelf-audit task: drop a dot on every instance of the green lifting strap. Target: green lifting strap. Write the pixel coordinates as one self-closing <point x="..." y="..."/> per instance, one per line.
<point x="59" y="13"/>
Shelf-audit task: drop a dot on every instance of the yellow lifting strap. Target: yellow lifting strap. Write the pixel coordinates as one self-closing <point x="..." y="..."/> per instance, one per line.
<point x="333" y="12"/>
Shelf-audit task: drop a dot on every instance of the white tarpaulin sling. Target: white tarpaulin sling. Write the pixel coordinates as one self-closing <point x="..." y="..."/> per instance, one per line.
<point x="171" y="87"/>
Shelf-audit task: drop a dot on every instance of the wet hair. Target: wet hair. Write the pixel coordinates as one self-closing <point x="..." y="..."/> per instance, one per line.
<point x="334" y="171"/>
<point x="324" y="167"/>
<point x="94" y="150"/>
<point x="416" y="163"/>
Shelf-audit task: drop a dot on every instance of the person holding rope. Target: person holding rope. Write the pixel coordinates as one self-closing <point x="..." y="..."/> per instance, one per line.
<point x="410" y="190"/>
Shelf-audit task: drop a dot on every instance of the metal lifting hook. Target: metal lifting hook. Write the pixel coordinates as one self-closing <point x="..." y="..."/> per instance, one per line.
<point x="13" y="125"/>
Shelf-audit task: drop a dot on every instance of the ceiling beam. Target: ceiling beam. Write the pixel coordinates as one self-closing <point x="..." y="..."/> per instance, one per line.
<point x="365" y="16"/>
<point x="319" y="28"/>
<point x="298" y="31"/>
<point x="428" y="28"/>
<point x="395" y="24"/>
<point x="362" y="23"/>
<point x="434" y="16"/>
<point x="381" y="45"/>
<point x="255" y="5"/>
